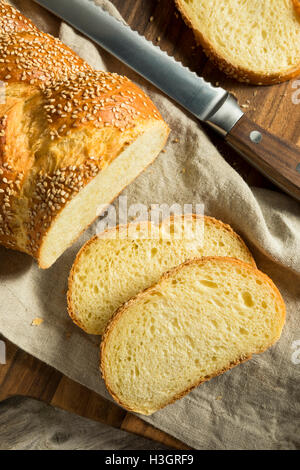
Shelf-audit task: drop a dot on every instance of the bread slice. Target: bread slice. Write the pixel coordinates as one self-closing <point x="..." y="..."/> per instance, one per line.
<point x="255" y="41"/>
<point x="201" y="319"/>
<point x="110" y="269"/>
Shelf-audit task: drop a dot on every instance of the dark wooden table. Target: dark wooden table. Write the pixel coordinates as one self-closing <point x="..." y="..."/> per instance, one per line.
<point x="271" y="107"/>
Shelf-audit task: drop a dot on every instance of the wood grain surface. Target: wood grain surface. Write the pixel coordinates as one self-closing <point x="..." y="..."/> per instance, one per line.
<point x="278" y="158"/>
<point x="271" y="107"/>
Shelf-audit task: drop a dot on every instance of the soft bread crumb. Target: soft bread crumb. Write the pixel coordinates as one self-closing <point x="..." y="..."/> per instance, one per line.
<point x="297" y="7"/>
<point x="108" y="271"/>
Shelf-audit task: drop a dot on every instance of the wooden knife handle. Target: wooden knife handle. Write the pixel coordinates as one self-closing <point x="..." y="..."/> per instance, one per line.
<point x="276" y="158"/>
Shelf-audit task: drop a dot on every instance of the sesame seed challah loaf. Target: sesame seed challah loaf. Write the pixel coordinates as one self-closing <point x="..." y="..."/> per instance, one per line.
<point x="201" y="319"/>
<point x="71" y="138"/>
<point x="255" y="41"/>
<point x="110" y="269"/>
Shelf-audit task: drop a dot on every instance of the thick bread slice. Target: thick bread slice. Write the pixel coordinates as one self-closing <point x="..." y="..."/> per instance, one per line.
<point x="109" y="269"/>
<point x="201" y="319"/>
<point x="256" y="41"/>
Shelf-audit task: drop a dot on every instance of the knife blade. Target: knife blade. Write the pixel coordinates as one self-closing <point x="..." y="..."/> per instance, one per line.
<point x="277" y="159"/>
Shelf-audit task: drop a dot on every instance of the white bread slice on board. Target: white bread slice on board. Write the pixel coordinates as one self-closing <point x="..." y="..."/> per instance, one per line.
<point x="109" y="269"/>
<point x="202" y="318"/>
<point x="255" y="41"/>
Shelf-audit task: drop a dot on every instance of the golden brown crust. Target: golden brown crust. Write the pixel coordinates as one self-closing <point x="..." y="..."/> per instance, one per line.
<point x="62" y="124"/>
<point x="239" y="73"/>
<point x="71" y="309"/>
<point x="97" y="99"/>
<point x="164" y="277"/>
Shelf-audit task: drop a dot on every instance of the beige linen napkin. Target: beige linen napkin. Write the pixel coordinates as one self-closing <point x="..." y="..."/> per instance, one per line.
<point x="254" y="406"/>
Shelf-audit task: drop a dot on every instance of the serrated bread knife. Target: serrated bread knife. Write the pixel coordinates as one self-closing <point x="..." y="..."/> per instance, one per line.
<point x="277" y="159"/>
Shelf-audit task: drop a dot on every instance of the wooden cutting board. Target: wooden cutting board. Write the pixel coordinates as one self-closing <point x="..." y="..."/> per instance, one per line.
<point x="271" y="107"/>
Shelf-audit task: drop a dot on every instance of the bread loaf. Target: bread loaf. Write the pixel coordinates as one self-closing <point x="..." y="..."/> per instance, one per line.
<point x="254" y="41"/>
<point x="201" y="319"/>
<point x="110" y="268"/>
<point x="71" y="138"/>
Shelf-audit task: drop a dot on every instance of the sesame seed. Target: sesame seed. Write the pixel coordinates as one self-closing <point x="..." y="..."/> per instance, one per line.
<point x="75" y="97"/>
